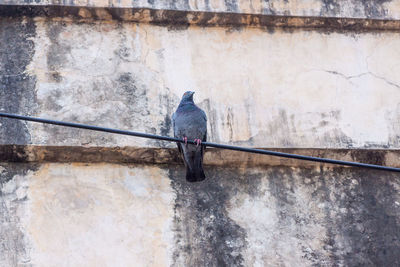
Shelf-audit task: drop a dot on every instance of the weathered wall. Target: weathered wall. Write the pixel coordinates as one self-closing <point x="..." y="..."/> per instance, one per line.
<point x="258" y="88"/>
<point x="137" y="215"/>
<point x="318" y="86"/>
<point x="383" y="9"/>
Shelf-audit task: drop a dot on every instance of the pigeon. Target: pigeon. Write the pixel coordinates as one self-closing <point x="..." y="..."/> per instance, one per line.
<point x="190" y="123"/>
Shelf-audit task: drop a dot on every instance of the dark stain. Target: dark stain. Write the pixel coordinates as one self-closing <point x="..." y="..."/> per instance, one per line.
<point x="56" y="55"/>
<point x="334" y="114"/>
<point x="179" y="23"/>
<point x="166" y="128"/>
<point x="182" y="4"/>
<point x="129" y="88"/>
<point x="369" y="8"/>
<point x="13" y="248"/>
<point x="323" y="123"/>
<point x="13" y="153"/>
<point x="235" y="28"/>
<point x="374" y="8"/>
<point x="394" y="130"/>
<point x="373" y="145"/>
<point x="51" y="101"/>
<point x="269" y="29"/>
<point x="361" y="215"/>
<point x="268" y="8"/>
<point x="170" y="101"/>
<point x="92" y="154"/>
<point x="229" y="122"/>
<point x="280" y="127"/>
<point x="370" y="222"/>
<point x="281" y="186"/>
<point x="337" y="138"/>
<point x="376" y="157"/>
<point x="56" y="77"/>
<point x="206" y="105"/>
<point x="231" y="5"/>
<point x="177" y="27"/>
<point x="179" y="20"/>
<point x="17" y="88"/>
<point x="204" y="233"/>
<point x="9" y="170"/>
<point x="123" y="52"/>
<point x="361" y="212"/>
<point x="330" y="7"/>
<point x="207" y="4"/>
<point x="205" y="19"/>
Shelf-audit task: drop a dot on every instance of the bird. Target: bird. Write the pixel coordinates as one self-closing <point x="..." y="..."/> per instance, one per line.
<point x="189" y="122"/>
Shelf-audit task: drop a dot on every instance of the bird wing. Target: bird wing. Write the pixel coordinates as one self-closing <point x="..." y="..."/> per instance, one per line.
<point x="178" y="144"/>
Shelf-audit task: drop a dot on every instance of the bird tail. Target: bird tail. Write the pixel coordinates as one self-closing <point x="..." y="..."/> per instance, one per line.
<point x="193" y="159"/>
<point x="196" y="173"/>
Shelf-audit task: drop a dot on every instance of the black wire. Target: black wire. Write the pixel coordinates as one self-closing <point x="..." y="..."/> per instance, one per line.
<point x="210" y="144"/>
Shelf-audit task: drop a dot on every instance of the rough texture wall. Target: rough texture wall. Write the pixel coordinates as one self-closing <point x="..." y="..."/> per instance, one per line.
<point x="116" y="215"/>
<point x="17" y="87"/>
<point x="322" y="90"/>
<point x="258" y="88"/>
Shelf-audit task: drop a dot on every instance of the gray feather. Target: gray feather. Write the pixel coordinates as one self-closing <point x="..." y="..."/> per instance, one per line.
<point x="191" y="122"/>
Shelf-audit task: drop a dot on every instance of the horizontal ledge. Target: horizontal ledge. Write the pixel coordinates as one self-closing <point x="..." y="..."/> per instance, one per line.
<point x="301" y="8"/>
<point x="177" y="19"/>
<point x="213" y="156"/>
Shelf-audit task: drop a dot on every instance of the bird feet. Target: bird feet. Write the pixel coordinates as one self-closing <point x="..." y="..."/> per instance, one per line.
<point x="197" y="141"/>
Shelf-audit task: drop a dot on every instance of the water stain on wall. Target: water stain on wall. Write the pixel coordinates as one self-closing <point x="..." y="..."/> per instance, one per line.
<point x="361" y="215"/>
<point x="282" y="215"/>
<point x="17" y="88"/>
<point x="204" y="233"/>
<point x="14" y="248"/>
<point x="17" y="95"/>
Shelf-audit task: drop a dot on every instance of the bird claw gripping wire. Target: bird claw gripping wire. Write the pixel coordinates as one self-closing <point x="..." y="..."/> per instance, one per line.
<point x="197" y="141"/>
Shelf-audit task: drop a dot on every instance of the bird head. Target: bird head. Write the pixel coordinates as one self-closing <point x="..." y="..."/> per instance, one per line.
<point x="188" y="96"/>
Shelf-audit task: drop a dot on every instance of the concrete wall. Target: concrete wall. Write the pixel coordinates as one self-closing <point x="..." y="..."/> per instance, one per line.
<point x="318" y="86"/>
<point x="135" y="215"/>
<point x="258" y="88"/>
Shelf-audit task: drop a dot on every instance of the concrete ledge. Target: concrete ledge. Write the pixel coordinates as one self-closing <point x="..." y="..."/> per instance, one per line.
<point x="183" y="19"/>
<point x="214" y="157"/>
<point x="387" y="10"/>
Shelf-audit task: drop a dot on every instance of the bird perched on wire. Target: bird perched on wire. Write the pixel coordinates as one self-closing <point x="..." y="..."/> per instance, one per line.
<point x="190" y="123"/>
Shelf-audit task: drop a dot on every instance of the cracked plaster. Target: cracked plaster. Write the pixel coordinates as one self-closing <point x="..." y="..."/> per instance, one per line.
<point x="280" y="89"/>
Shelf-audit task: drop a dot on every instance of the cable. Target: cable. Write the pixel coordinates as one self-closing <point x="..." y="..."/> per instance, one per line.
<point x="210" y="144"/>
